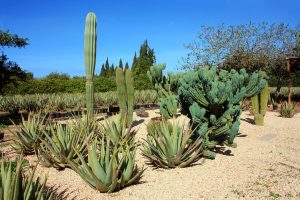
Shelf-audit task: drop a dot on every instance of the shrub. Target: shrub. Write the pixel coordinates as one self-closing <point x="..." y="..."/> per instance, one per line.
<point x="287" y="110"/>
<point x="15" y="185"/>
<point x="28" y="134"/>
<point x="107" y="168"/>
<point x="170" y="147"/>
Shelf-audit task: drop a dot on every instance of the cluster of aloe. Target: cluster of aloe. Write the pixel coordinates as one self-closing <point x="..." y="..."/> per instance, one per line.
<point x="170" y="145"/>
<point x="108" y="167"/>
<point x="47" y="103"/>
<point x="15" y="184"/>
<point x="28" y="134"/>
<point x="166" y="87"/>
<point x="60" y="144"/>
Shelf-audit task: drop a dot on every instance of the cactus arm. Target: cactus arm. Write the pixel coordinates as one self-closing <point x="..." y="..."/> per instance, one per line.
<point x="130" y="96"/>
<point x="90" y="44"/>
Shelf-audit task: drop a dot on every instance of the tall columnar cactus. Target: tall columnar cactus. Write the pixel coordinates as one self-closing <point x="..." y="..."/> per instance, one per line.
<point x="125" y="92"/>
<point x="211" y="99"/>
<point x="166" y="87"/>
<point x="90" y="45"/>
<point x="259" y="105"/>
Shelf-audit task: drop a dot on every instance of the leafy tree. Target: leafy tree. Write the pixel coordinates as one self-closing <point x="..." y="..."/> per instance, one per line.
<point x="121" y="63"/>
<point x="12" y="40"/>
<point x="58" y="76"/>
<point x="261" y="46"/>
<point x="10" y="72"/>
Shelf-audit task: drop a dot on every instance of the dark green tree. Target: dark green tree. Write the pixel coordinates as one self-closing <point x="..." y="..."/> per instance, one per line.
<point x="121" y="64"/>
<point x="134" y="63"/>
<point x="10" y="72"/>
<point x="102" y="72"/>
<point x="146" y="59"/>
<point x="126" y="66"/>
<point x="107" y="68"/>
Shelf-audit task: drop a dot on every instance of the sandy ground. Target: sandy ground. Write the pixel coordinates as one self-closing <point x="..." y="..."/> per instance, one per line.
<point x="265" y="165"/>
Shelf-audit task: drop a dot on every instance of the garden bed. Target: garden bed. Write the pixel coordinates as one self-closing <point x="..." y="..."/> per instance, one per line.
<point x="264" y="165"/>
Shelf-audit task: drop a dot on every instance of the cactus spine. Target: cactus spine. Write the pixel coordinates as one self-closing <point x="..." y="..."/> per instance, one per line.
<point x="90" y="44"/>
<point x="125" y="92"/>
<point x="259" y="105"/>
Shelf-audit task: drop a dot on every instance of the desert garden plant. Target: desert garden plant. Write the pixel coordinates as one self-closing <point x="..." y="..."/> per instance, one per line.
<point x="259" y="105"/>
<point x="28" y="133"/>
<point x="212" y="98"/>
<point x="287" y="110"/>
<point x="107" y="168"/>
<point x="171" y="145"/>
<point x="125" y="91"/>
<point x="60" y="144"/>
<point x="166" y="87"/>
<point x="15" y="185"/>
<point x="117" y="132"/>
<point x="90" y="46"/>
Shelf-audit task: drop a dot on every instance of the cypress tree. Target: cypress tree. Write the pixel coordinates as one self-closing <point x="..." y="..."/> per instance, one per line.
<point x="126" y="66"/>
<point x="102" y="72"/>
<point x="107" y="68"/>
<point x="134" y="64"/>
<point x="111" y="70"/>
<point x="121" y="64"/>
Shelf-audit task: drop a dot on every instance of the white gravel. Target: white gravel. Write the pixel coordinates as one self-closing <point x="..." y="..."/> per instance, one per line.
<point x="265" y="165"/>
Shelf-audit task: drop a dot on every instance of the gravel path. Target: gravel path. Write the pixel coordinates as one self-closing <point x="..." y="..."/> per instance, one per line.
<point x="265" y="165"/>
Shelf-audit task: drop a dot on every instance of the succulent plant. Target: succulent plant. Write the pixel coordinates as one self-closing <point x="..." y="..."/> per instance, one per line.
<point x="287" y="110"/>
<point x="107" y="168"/>
<point x="166" y="87"/>
<point x="27" y="136"/>
<point x="60" y="143"/>
<point x="125" y="91"/>
<point x="172" y="146"/>
<point x="90" y="47"/>
<point x="259" y="105"/>
<point x="212" y="98"/>
<point x="118" y="133"/>
<point x="141" y="112"/>
<point x="15" y="185"/>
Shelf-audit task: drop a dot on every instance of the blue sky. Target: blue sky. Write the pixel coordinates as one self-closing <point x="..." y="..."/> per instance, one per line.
<point x="55" y="28"/>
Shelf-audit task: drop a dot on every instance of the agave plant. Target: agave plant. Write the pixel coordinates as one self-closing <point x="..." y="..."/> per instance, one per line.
<point x="117" y="132"/>
<point x="171" y="147"/>
<point x="108" y="168"/>
<point x="27" y="136"/>
<point x="15" y="185"/>
<point x="59" y="145"/>
<point x="287" y="110"/>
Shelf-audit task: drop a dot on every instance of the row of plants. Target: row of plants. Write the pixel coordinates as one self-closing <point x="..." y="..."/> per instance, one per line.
<point x="48" y="103"/>
<point x="295" y="92"/>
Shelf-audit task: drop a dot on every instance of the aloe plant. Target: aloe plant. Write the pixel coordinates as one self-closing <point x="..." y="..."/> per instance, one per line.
<point x="60" y="143"/>
<point x="15" y="185"/>
<point x="118" y="133"/>
<point x="287" y="110"/>
<point x="27" y="136"/>
<point x="171" y="147"/>
<point x="107" y="168"/>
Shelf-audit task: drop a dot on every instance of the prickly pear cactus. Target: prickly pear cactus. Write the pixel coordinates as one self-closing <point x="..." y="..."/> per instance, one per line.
<point x="211" y="99"/>
<point x="259" y="105"/>
<point x="166" y="87"/>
